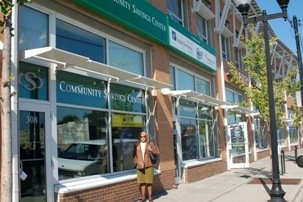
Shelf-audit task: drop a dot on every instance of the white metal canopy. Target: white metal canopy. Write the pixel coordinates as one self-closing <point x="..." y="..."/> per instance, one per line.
<point x="236" y="108"/>
<point x="197" y="96"/>
<point x="193" y="95"/>
<point x="67" y="60"/>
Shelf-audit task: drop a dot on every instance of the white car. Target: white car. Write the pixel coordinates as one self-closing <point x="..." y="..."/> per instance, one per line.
<point x="90" y="157"/>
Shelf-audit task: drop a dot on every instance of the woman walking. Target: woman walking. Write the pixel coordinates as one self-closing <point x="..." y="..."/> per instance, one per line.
<point x="144" y="166"/>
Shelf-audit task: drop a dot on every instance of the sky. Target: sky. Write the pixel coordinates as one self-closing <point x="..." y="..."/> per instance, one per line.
<point x="282" y="29"/>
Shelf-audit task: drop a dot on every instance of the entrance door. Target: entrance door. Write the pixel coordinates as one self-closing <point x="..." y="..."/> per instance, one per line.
<point x="237" y="146"/>
<point x="34" y="160"/>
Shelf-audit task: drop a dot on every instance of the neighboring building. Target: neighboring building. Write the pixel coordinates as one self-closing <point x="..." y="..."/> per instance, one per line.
<point x="92" y="74"/>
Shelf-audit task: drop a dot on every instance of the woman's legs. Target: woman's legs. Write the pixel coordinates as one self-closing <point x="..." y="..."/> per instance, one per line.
<point x="142" y="188"/>
<point x="149" y="191"/>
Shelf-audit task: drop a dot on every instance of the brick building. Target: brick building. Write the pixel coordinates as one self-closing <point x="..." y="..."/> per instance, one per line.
<point x="93" y="74"/>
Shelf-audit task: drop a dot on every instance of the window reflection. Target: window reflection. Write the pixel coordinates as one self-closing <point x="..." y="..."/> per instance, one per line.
<point x="125" y="58"/>
<point x="33" y="29"/>
<point x="81" y="138"/>
<point x="79" y="41"/>
<point x="125" y="131"/>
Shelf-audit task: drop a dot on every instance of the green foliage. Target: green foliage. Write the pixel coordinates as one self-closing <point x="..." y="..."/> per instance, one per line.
<point x="255" y="65"/>
<point x="6" y="7"/>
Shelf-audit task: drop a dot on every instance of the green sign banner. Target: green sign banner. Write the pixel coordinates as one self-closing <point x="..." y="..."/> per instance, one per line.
<point x="138" y="15"/>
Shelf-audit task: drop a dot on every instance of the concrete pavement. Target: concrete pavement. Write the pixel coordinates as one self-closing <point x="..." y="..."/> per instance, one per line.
<point x="237" y="185"/>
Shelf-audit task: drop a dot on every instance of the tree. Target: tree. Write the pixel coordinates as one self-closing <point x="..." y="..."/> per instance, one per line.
<point x="6" y="7"/>
<point x="255" y="65"/>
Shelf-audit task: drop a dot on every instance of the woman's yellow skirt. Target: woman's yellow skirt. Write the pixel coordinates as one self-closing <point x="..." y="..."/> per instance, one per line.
<point x="145" y="176"/>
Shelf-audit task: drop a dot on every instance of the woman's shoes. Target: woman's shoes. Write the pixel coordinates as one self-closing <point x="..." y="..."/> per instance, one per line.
<point x="150" y="200"/>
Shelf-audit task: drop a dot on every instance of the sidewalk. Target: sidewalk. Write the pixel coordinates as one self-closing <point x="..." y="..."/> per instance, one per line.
<point x="236" y="186"/>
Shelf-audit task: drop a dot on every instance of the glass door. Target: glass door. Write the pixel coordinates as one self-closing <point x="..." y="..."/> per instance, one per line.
<point x="237" y="146"/>
<point x="33" y="157"/>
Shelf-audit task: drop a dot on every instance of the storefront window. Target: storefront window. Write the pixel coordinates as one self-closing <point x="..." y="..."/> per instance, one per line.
<point x="207" y="135"/>
<point x="293" y="135"/>
<point x="260" y="134"/>
<point x="33" y="29"/>
<point x="82" y="142"/>
<point x="189" y="138"/>
<point x="79" y="41"/>
<point x="281" y="137"/>
<point x="33" y="81"/>
<point x="125" y="131"/>
<point x="127" y="99"/>
<point x="187" y="108"/>
<point x="125" y="58"/>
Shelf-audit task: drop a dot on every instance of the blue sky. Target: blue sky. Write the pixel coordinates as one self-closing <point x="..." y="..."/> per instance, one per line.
<point x="283" y="29"/>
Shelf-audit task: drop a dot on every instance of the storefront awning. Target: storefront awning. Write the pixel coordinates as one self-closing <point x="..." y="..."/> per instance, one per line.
<point x="236" y="108"/>
<point x="196" y="96"/>
<point x="67" y="60"/>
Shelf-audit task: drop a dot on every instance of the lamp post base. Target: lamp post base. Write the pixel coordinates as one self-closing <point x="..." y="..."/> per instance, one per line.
<point x="277" y="193"/>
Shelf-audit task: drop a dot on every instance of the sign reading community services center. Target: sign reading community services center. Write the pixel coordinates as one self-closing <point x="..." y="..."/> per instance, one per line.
<point x="138" y="15"/>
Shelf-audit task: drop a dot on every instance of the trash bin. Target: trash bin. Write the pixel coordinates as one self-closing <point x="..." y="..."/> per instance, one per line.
<point x="299" y="161"/>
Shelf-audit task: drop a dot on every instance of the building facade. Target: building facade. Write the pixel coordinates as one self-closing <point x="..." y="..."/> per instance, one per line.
<point x="91" y="75"/>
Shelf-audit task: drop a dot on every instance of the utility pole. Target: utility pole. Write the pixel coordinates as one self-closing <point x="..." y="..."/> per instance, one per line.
<point x="300" y="66"/>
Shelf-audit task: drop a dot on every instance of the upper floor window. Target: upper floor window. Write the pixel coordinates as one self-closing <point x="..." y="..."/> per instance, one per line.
<point x="33" y="29"/>
<point x="225" y="48"/>
<point x="202" y="29"/>
<point x="203" y="86"/>
<point x="233" y="97"/>
<point x="80" y="41"/>
<point x="175" y="9"/>
<point x="185" y="81"/>
<point x="181" y="80"/>
<point x="125" y="58"/>
<point x="238" y="55"/>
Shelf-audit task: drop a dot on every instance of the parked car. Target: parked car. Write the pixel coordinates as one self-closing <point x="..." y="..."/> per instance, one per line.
<point x="90" y="157"/>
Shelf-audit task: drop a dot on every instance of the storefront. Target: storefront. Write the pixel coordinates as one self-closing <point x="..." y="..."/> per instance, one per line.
<point x="84" y="96"/>
<point x="87" y="86"/>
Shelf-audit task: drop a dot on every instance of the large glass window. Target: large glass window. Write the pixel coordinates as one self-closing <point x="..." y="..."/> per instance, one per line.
<point x="198" y="137"/>
<point x="33" y="29"/>
<point x="293" y="135"/>
<point x="260" y="133"/>
<point x="175" y="10"/>
<point x="281" y="137"/>
<point x="185" y="80"/>
<point x="203" y="86"/>
<point x="125" y="131"/>
<point x="125" y="58"/>
<point x="233" y="97"/>
<point x="189" y="138"/>
<point x="79" y="41"/>
<point x="207" y="135"/>
<point x="82" y="140"/>
<point x="33" y="81"/>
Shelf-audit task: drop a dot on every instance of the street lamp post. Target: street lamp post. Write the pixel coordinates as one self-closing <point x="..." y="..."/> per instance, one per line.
<point x="300" y="65"/>
<point x="276" y="193"/>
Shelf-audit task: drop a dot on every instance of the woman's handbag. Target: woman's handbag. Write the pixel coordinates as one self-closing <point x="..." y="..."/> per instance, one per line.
<point x="153" y="157"/>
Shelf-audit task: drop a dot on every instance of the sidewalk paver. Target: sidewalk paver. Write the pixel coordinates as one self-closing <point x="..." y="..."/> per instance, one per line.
<point x="234" y="186"/>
